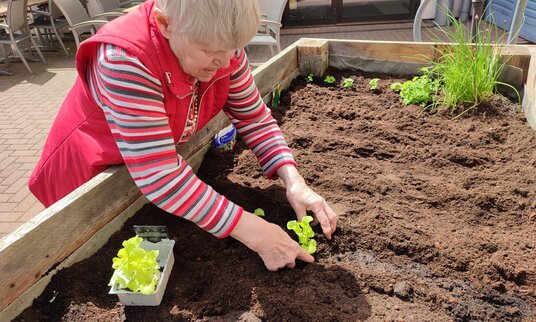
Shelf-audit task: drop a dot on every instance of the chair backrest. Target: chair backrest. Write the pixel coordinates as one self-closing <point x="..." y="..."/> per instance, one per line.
<point x="55" y="12"/>
<point x="74" y="13"/>
<point x="16" y="17"/>
<point x="273" y="9"/>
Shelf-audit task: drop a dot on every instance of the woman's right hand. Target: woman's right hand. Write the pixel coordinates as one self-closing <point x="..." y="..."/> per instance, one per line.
<point x="273" y="245"/>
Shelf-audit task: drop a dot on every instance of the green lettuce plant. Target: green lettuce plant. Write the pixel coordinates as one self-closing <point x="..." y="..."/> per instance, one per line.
<point x="305" y="233"/>
<point x="309" y="78"/>
<point x="421" y="90"/>
<point x="373" y="84"/>
<point x="259" y="212"/>
<point x="135" y="268"/>
<point x="348" y="82"/>
<point x="329" y="80"/>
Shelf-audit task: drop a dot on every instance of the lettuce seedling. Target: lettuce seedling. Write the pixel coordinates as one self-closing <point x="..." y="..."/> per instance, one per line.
<point x="329" y="80"/>
<point x="373" y="84"/>
<point x="420" y="90"/>
<point x="259" y="212"/>
<point x="347" y="82"/>
<point x="305" y="233"/>
<point x="309" y="78"/>
<point x="135" y="268"/>
<point x="396" y="87"/>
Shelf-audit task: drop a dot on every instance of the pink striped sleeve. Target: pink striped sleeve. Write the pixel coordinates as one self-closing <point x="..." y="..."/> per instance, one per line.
<point x="254" y="122"/>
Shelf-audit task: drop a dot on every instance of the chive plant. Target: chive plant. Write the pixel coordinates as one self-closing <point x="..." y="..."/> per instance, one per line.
<point x="468" y="72"/>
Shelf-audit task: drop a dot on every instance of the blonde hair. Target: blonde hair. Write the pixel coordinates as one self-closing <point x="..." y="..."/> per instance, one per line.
<point x="229" y="23"/>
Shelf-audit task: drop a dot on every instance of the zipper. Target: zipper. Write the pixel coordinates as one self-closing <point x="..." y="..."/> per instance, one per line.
<point x="203" y="95"/>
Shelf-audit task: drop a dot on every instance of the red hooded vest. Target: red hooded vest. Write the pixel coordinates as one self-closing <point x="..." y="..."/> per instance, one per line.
<point x="80" y="144"/>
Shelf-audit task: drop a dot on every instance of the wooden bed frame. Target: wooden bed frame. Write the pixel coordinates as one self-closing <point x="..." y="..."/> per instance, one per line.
<point x="81" y="223"/>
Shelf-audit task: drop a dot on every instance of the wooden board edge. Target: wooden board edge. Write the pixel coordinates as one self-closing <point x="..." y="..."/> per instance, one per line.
<point x="529" y="97"/>
<point x="86" y="250"/>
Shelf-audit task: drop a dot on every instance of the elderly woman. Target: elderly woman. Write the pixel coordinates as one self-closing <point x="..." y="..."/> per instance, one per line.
<point x="148" y="81"/>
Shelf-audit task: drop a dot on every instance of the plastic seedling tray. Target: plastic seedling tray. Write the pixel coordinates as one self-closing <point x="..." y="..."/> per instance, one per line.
<point x="166" y="260"/>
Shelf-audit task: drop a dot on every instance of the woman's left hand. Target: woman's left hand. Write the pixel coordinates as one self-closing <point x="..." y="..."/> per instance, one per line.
<point x="302" y="198"/>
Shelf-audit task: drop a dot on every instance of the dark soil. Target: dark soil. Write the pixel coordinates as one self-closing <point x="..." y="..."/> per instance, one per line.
<point x="437" y="222"/>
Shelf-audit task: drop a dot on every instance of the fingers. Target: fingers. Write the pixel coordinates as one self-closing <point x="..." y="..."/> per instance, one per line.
<point x="305" y="256"/>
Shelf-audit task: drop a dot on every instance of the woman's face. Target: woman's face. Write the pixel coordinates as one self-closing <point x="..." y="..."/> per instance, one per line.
<point x="198" y="60"/>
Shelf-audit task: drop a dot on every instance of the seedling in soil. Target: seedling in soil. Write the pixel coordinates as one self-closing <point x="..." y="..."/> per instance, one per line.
<point x="276" y="96"/>
<point x="396" y="87"/>
<point x="309" y="78"/>
<point x="259" y="212"/>
<point x="330" y="80"/>
<point x="135" y="268"/>
<point x="305" y="233"/>
<point x="420" y="90"/>
<point x="348" y="82"/>
<point x="373" y="84"/>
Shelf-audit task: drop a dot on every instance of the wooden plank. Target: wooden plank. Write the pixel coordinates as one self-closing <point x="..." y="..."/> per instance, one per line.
<point x="518" y="56"/>
<point x="382" y="50"/>
<point x="529" y="99"/>
<point x="279" y="67"/>
<point x="313" y="57"/>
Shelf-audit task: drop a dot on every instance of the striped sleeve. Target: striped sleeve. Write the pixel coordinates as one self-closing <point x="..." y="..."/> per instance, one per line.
<point x="132" y="101"/>
<point x="254" y="122"/>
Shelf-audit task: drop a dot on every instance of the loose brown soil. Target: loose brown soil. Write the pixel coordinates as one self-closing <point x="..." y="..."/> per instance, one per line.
<point x="437" y="223"/>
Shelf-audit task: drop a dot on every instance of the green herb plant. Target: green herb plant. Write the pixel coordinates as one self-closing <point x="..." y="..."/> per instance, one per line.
<point x="348" y="82"/>
<point x="305" y="233"/>
<point x="421" y="90"/>
<point x="309" y="78"/>
<point x="329" y="80"/>
<point x="396" y="87"/>
<point x="373" y="84"/>
<point x="276" y="96"/>
<point x="259" y="212"/>
<point x="468" y="72"/>
<point x="135" y="268"/>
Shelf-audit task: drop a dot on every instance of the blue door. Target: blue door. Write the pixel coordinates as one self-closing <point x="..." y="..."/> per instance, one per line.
<point x="501" y="12"/>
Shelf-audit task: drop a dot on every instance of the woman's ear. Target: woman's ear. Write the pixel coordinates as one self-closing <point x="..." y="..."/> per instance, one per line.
<point x="162" y="23"/>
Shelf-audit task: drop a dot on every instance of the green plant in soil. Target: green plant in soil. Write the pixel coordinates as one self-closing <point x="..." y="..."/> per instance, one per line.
<point x="373" y="84"/>
<point x="396" y="87"/>
<point x="348" y="82"/>
<point x="309" y="78"/>
<point x="468" y="72"/>
<point x="259" y="212"/>
<point x="329" y="80"/>
<point x="135" y="268"/>
<point x="305" y="233"/>
<point x="421" y="90"/>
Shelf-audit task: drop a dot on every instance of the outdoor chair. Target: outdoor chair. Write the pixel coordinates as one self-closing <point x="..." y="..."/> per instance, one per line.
<point x="269" y="35"/>
<point x="78" y="19"/>
<point x="103" y="9"/>
<point x="15" y="30"/>
<point x="49" y="22"/>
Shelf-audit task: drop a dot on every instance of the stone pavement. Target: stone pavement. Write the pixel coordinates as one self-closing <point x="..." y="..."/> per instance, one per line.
<point x="29" y="103"/>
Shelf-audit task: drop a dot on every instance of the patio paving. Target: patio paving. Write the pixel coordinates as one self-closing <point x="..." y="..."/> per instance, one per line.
<point x="29" y="103"/>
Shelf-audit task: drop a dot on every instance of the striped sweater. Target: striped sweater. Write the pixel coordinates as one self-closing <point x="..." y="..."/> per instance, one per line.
<point x="132" y="101"/>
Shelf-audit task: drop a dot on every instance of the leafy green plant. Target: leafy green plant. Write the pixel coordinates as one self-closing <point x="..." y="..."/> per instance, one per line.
<point x="468" y="72"/>
<point x="348" y="82"/>
<point x="135" y="268"/>
<point x="396" y="87"/>
<point x="329" y="80"/>
<point x="309" y="78"/>
<point x="305" y="233"/>
<point x="373" y="84"/>
<point x="420" y="90"/>
<point x="259" y="212"/>
<point x="276" y="96"/>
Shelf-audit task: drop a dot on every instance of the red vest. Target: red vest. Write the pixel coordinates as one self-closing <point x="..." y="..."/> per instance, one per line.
<point x="80" y="144"/>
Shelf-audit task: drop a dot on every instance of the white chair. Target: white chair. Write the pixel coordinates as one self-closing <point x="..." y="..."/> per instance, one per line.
<point x="16" y="30"/>
<point x="103" y="9"/>
<point x="269" y="35"/>
<point x="49" y="21"/>
<point x="78" y="19"/>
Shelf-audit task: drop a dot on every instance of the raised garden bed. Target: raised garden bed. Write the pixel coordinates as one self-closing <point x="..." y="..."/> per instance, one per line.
<point x="437" y="217"/>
